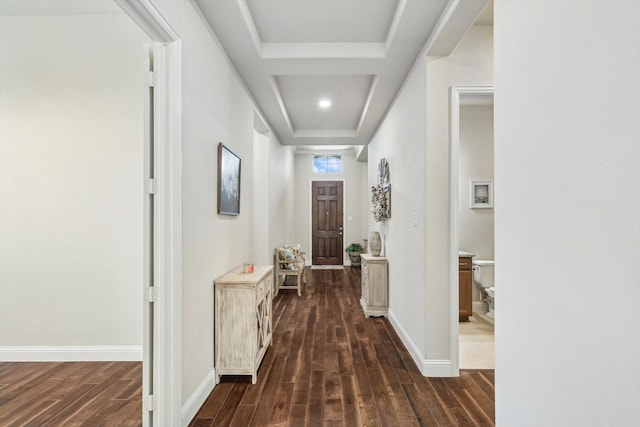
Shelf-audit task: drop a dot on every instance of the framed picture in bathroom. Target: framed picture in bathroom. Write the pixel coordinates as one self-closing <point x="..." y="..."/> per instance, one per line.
<point x="481" y="194"/>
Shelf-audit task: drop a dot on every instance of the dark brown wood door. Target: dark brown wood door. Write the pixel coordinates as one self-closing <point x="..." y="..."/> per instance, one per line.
<point x="326" y="222"/>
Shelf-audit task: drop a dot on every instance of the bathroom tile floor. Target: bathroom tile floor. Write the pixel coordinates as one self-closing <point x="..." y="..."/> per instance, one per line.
<point x="476" y="344"/>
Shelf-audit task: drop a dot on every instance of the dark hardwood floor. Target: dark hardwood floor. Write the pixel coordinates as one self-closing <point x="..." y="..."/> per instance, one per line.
<point x="330" y="366"/>
<point x="71" y="394"/>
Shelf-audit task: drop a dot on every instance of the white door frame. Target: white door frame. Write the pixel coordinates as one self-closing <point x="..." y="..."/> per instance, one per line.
<point x="166" y="403"/>
<point x="457" y="96"/>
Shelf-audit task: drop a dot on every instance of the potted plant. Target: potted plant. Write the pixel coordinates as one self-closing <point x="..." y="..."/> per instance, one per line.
<point x="354" y="250"/>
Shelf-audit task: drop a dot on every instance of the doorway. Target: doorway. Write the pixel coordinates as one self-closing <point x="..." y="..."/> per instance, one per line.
<point x="163" y="291"/>
<point x="326" y="222"/>
<point x="470" y="162"/>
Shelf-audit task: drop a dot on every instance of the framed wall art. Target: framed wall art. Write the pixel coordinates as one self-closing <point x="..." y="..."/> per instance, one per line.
<point x="481" y="194"/>
<point x="381" y="193"/>
<point x="228" y="181"/>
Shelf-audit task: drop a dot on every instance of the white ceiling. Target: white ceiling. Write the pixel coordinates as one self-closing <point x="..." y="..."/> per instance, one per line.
<point x="356" y="53"/>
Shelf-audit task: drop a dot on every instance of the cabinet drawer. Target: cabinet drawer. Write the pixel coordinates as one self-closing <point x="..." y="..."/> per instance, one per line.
<point x="464" y="264"/>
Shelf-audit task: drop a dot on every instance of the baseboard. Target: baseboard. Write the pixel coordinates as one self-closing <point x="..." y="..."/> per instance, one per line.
<point x="197" y="399"/>
<point x="71" y="353"/>
<point x="437" y="368"/>
<point x="428" y="368"/>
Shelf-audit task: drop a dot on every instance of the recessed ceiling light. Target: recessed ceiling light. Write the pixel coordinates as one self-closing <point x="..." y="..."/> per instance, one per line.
<point x="324" y="103"/>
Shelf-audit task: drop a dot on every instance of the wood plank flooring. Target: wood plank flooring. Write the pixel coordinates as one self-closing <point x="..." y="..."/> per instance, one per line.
<point x="330" y="366"/>
<point x="84" y="394"/>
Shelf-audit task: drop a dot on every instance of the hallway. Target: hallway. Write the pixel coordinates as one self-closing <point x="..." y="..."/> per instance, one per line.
<point x="329" y="365"/>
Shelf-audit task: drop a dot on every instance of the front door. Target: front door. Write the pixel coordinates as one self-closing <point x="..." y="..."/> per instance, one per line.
<point x="326" y="222"/>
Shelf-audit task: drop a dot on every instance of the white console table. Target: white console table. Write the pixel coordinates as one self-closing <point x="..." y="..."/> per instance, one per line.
<point x="243" y="323"/>
<point x="375" y="300"/>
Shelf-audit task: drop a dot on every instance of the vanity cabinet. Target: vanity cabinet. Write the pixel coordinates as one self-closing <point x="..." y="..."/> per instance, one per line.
<point x="243" y="323"/>
<point x="375" y="298"/>
<point x="465" y="282"/>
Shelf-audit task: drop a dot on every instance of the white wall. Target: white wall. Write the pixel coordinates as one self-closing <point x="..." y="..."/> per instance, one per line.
<point x="274" y="187"/>
<point x="400" y="139"/>
<point x="365" y="203"/>
<point x="414" y="137"/>
<point x="71" y="193"/>
<point x="217" y="109"/>
<point x="470" y="64"/>
<point x="567" y="102"/>
<point x="352" y="176"/>
<point x="282" y="195"/>
<point x="475" y="226"/>
<point x="261" y="198"/>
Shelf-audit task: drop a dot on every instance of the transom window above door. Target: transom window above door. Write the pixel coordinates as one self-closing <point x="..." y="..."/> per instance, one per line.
<point x="327" y="163"/>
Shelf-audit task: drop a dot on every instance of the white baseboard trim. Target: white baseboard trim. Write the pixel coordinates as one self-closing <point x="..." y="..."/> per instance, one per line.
<point x="428" y="368"/>
<point x="197" y="399"/>
<point x="71" y="353"/>
<point x="414" y="351"/>
<point x="438" y="368"/>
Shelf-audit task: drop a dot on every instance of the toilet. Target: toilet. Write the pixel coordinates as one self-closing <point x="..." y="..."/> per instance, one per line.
<point x="483" y="270"/>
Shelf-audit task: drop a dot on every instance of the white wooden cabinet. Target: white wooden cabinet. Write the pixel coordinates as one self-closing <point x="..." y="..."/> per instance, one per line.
<point x="375" y="298"/>
<point x="243" y="324"/>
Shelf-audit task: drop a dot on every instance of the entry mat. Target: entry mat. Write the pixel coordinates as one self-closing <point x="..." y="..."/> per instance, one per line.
<point x="327" y="267"/>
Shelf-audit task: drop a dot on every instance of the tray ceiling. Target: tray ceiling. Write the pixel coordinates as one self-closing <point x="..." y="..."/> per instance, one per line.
<point x="290" y="54"/>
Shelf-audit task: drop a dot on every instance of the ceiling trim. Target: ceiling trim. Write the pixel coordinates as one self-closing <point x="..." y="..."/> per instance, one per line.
<point x="327" y="150"/>
<point x="325" y="133"/>
<point x="150" y="20"/>
<point x="393" y="29"/>
<point x="256" y="107"/>
<point x="276" y="91"/>
<point x="456" y="20"/>
<point x="250" y="24"/>
<point x="262" y="43"/>
<point x="269" y="50"/>
<point x="434" y="43"/>
<point x="367" y="103"/>
<point x="324" y="67"/>
<point x="322" y="50"/>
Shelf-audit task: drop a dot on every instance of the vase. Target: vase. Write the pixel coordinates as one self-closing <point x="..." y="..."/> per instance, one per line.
<point x="375" y="243"/>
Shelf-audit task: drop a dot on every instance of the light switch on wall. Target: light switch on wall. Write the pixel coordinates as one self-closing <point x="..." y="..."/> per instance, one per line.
<point x="415" y="219"/>
<point x="349" y="218"/>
